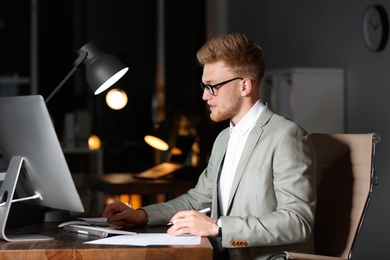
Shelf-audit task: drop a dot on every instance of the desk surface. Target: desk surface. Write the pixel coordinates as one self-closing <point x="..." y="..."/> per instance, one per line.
<point x="69" y="245"/>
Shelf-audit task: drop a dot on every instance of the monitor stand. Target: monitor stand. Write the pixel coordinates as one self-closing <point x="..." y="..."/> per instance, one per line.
<point x="7" y="192"/>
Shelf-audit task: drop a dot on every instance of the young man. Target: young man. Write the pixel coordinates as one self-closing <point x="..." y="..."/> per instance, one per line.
<point x="260" y="179"/>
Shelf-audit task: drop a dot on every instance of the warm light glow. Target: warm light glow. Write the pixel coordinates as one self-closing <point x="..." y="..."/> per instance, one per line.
<point x="94" y="142"/>
<point x="156" y="143"/>
<point x="176" y="151"/>
<point x="116" y="99"/>
<point x="111" y="81"/>
<point x="132" y="200"/>
<point x="124" y="198"/>
<point x="135" y="201"/>
<point x="109" y="200"/>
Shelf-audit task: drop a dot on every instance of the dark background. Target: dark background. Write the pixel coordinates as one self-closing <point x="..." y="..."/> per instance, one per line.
<point x="128" y="30"/>
<point x="299" y="33"/>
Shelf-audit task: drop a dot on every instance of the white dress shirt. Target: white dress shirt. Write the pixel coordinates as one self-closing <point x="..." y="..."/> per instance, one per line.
<point x="238" y="136"/>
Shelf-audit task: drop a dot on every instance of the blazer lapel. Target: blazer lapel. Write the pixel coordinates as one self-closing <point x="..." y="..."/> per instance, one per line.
<point x="221" y="154"/>
<point x="253" y="139"/>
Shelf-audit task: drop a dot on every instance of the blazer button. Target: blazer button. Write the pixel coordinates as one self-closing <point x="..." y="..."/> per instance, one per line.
<point x="233" y="243"/>
<point x="242" y="243"/>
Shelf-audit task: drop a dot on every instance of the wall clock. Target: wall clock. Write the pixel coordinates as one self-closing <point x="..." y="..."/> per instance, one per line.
<point x="375" y="27"/>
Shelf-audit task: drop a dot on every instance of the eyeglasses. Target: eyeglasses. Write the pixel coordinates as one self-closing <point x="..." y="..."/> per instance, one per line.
<point x="210" y="88"/>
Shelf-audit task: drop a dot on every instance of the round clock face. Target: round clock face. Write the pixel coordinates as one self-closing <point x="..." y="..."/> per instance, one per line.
<point x="375" y="28"/>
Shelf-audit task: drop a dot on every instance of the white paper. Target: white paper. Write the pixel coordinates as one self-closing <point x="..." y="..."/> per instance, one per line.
<point x="148" y="239"/>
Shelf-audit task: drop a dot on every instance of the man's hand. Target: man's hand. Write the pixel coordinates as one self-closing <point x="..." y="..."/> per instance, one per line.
<point x="121" y="215"/>
<point x="193" y="222"/>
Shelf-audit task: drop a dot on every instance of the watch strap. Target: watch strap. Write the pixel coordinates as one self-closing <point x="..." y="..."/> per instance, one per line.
<point x="219" y="225"/>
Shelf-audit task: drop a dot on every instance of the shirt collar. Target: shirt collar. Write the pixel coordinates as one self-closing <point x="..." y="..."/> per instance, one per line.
<point x="248" y="121"/>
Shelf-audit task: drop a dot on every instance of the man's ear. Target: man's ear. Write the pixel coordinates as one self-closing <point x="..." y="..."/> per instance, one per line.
<point x="246" y="87"/>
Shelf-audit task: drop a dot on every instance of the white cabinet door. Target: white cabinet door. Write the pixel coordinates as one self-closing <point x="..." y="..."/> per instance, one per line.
<point x="311" y="97"/>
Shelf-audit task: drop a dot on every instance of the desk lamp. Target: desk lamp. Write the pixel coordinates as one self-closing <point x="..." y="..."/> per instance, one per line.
<point x="158" y="138"/>
<point x="102" y="69"/>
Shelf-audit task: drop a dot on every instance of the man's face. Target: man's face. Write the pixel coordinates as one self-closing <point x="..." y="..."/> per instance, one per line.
<point x="226" y="101"/>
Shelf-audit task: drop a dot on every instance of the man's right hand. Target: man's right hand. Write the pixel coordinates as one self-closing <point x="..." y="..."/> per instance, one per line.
<point x="121" y="215"/>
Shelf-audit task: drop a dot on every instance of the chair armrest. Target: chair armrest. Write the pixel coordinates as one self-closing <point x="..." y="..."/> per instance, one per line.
<point x="278" y="256"/>
<point x="301" y="256"/>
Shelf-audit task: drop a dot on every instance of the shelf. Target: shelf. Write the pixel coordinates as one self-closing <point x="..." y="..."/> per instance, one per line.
<point x="12" y="80"/>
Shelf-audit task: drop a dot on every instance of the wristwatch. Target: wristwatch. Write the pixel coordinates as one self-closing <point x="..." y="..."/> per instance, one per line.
<point x="219" y="225"/>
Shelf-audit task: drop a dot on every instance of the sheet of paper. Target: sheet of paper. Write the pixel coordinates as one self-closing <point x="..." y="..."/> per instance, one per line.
<point x="148" y="239"/>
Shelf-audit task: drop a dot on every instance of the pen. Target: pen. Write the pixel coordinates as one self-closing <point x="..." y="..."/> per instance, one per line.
<point x="203" y="211"/>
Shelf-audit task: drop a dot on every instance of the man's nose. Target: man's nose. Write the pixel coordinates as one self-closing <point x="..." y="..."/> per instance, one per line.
<point x="206" y="95"/>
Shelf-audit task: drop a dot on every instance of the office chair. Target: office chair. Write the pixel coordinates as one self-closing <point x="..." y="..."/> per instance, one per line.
<point x="345" y="182"/>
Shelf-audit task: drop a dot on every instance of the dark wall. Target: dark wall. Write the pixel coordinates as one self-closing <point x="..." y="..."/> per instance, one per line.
<point x="128" y="30"/>
<point x="56" y="54"/>
<point x="14" y="34"/>
<point x="114" y="27"/>
<point x="185" y="34"/>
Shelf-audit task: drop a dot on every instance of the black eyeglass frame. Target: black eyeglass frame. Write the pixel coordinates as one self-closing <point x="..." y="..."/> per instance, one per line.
<point x="210" y="88"/>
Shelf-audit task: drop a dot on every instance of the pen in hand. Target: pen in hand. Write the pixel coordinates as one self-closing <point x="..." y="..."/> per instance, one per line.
<point x="203" y="211"/>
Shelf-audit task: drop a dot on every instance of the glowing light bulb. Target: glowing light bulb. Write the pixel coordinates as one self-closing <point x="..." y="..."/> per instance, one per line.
<point x="94" y="142"/>
<point x="116" y="99"/>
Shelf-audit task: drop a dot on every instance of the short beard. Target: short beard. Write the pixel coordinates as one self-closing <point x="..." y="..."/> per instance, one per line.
<point x="229" y="111"/>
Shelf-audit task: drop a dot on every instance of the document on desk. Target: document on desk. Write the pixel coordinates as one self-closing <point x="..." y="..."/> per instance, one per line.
<point x="148" y="239"/>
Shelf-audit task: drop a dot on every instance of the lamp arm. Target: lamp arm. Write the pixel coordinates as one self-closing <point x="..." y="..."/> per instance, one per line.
<point x="61" y="84"/>
<point x="78" y="61"/>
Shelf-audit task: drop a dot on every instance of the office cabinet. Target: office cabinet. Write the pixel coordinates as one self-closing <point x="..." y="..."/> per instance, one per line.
<point x="311" y="97"/>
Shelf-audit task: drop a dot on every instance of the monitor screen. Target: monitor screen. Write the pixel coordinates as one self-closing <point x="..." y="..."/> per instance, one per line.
<point x="37" y="171"/>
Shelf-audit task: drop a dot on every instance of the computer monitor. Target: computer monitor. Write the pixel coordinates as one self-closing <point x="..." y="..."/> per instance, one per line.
<point x="37" y="171"/>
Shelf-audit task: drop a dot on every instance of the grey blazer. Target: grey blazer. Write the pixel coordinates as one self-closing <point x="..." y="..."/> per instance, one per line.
<point x="273" y="196"/>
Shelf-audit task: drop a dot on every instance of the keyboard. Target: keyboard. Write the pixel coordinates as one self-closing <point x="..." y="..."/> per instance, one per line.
<point x="97" y="231"/>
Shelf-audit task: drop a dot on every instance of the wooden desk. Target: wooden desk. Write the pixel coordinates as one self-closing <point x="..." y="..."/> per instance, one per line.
<point x="69" y="245"/>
